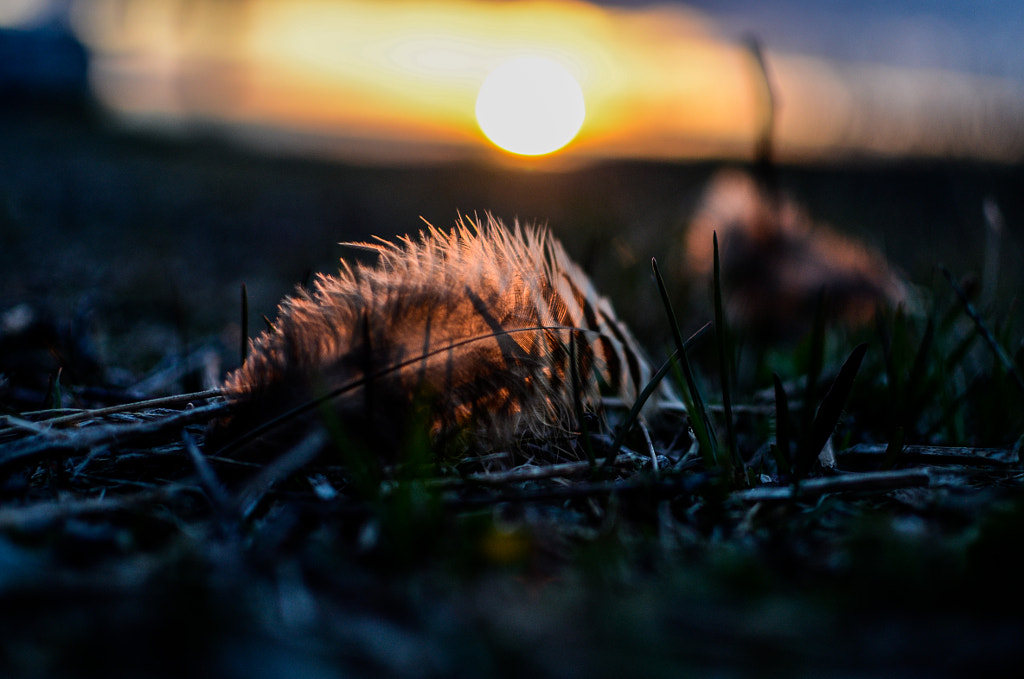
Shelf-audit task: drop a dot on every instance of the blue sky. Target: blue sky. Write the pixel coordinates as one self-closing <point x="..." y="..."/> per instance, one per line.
<point x="980" y="36"/>
<point x="985" y="37"/>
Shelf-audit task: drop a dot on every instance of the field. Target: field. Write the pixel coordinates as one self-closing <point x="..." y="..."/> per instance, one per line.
<point x="127" y="551"/>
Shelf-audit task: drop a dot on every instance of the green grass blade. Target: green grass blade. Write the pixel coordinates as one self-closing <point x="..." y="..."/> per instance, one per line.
<point x="830" y="410"/>
<point x="959" y="352"/>
<point x="782" y="438"/>
<point x="645" y="394"/>
<point x="893" y="376"/>
<point x="55" y="395"/>
<point x="699" y="419"/>
<point x="244" y="341"/>
<point x="918" y="378"/>
<point x="721" y="333"/>
<point x="986" y="334"/>
<point x="816" y="358"/>
<point x="893" y="450"/>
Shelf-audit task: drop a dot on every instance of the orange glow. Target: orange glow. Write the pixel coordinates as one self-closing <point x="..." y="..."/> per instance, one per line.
<point x="400" y="80"/>
<point x="411" y="71"/>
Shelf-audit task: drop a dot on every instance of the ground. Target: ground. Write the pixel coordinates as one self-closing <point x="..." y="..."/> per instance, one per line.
<point x="122" y="259"/>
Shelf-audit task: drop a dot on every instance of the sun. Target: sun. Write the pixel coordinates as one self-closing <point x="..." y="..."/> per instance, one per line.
<point x="530" y="106"/>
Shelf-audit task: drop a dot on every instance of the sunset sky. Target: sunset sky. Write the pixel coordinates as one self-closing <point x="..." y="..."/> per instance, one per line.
<point x="399" y="81"/>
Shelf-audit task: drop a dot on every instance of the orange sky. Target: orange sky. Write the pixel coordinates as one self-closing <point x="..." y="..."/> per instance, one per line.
<point x="397" y="80"/>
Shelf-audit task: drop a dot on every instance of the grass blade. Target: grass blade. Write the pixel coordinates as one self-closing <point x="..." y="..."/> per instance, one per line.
<point x="917" y="381"/>
<point x="816" y="358"/>
<point x="721" y="333"/>
<point x="886" y="342"/>
<point x="244" y="348"/>
<point x="577" y="399"/>
<point x="986" y="334"/>
<point x="893" y="450"/>
<point x="781" y="449"/>
<point x="55" y="395"/>
<point x="699" y="419"/>
<point x="641" y="400"/>
<point x="829" y="411"/>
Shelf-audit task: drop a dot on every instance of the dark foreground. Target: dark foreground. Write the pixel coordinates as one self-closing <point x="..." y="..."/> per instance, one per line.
<point x="124" y="552"/>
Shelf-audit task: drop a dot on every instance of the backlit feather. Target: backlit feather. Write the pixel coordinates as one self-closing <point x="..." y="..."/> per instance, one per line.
<point x="481" y="335"/>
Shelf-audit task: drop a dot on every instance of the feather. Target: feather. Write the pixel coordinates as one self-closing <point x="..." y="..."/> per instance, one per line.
<point x="482" y="334"/>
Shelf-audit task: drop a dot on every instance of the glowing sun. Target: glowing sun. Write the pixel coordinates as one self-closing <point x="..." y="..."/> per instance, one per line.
<point x="530" y="106"/>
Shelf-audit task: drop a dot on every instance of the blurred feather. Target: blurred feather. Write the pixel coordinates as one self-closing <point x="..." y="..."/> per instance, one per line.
<point x="777" y="263"/>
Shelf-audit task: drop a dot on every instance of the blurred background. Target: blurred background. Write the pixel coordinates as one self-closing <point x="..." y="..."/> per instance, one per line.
<point x="156" y="154"/>
<point x="397" y="81"/>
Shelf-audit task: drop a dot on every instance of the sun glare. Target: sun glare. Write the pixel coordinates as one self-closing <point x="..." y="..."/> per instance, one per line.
<point x="530" y="106"/>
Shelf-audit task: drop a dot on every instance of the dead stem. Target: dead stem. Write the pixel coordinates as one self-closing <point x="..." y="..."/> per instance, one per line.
<point x="84" y="439"/>
<point x="282" y="467"/>
<point x="871" y="482"/>
<point x="135" y="406"/>
<point x="525" y="473"/>
<point x="40" y="514"/>
<point x="938" y="455"/>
